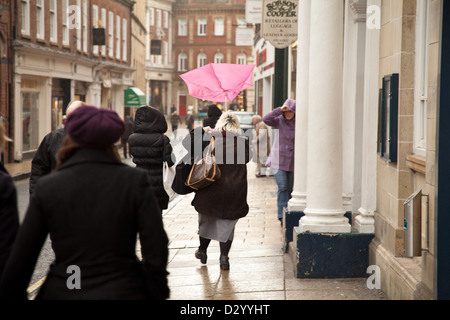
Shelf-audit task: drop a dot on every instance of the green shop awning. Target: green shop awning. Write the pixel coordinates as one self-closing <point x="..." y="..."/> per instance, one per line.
<point x="134" y="97"/>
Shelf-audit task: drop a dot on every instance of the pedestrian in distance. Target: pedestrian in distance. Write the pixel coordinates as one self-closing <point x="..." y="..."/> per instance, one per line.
<point x="44" y="160"/>
<point x="94" y="207"/>
<point x="150" y="147"/>
<point x="129" y="129"/>
<point x="174" y="121"/>
<point x="214" y="114"/>
<point x="223" y="203"/>
<point x="9" y="216"/>
<point x="190" y="121"/>
<point x="281" y="158"/>
<point x="261" y="143"/>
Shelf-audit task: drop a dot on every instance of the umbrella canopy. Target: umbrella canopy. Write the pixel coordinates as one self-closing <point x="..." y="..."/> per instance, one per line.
<point x="220" y="82"/>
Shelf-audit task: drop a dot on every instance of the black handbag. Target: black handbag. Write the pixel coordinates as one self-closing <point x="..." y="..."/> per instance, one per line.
<point x="182" y="170"/>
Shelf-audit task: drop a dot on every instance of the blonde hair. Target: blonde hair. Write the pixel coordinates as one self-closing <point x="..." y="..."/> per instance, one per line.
<point x="3" y="137"/>
<point x="228" y="122"/>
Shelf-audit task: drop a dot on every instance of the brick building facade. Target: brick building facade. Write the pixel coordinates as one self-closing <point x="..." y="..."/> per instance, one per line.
<point x="56" y="61"/>
<point x="208" y="31"/>
<point x="6" y="10"/>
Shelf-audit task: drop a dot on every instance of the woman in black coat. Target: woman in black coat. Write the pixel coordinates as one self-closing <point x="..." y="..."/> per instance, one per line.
<point x="150" y="147"/>
<point x="224" y="202"/>
<point x="9" y="216"/>
<point x="93" y="206"/>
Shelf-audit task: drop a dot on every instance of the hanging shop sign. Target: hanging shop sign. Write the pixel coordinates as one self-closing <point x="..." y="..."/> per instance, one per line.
<point x="280" y="22"/>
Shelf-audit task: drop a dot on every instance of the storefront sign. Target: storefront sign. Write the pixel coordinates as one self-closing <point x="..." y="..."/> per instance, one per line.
<point x="280" y="22"/>
<point x="244" y="36"/>
<point x="253" y="11"/>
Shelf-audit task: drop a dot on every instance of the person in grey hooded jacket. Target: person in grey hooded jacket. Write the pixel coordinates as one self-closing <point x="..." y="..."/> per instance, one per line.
<point x="150" y="147"/>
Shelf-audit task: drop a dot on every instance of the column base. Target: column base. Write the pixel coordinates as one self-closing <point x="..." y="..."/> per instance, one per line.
<point x="326" y="255"/>
<point x="290" y="220"/>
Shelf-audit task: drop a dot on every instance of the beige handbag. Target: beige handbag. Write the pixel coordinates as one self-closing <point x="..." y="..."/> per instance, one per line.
<point x="205" y="170"/>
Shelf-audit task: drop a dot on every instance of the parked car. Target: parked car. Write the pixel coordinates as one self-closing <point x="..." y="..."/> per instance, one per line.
<point x="245" y="120"/>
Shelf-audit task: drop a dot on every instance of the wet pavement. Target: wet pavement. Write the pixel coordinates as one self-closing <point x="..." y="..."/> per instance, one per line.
<point x="259" y="267"/>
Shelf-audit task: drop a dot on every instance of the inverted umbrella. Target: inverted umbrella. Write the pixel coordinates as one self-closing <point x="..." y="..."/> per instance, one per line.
<point x="218" y="81"/>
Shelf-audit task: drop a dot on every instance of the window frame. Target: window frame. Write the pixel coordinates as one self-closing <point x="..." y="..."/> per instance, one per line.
<point x="182" y="26"/>
<point x="421" y="81"/>
<point x="40" y="19"/>
<point x="182" y="61"/>
<point x="202" y="59"/>
<point x="25" y="17"/>
<point x="202" y="24"/>
<point x="219" y="57"/>
<point x="219" y="29"/>
<point x="53" y="21"/>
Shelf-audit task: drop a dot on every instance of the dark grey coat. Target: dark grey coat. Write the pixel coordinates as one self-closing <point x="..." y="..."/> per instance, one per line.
<point x="93" y="207"/>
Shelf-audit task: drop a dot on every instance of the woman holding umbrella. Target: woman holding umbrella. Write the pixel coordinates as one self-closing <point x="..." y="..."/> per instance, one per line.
<point x="224" y="202"/>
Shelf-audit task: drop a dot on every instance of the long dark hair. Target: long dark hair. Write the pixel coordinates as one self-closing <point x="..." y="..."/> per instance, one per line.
<point x="70" y="147"/>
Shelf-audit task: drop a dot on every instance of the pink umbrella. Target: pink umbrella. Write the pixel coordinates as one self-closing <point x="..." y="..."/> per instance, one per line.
<point x="218" y="81"/>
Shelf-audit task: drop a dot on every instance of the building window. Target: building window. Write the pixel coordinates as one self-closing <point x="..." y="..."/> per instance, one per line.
<point x="165" y="52"/>
<point x="25" y="15"/>
<point x="182" y="61"/>
<point x="241" y="58"/>
<point x="30" y="123"/>
<point x="182" y="27"/>
<point x="118" y="42"/>
<point x="201" y="59"/>
<point x="53" y="21"/>
<point x="104" y="26"/>
<point x="85" y="26"/>
<point x="65" y="27"/>
<point x="40" y="19"/>
<point x="111" y="34"/>
<point x="421" y="81"/>
<point x="152" y="17"/>
<point x="79" y="29"/>
<point x="158" y="18"/>
<point x="166" y="20"/>
<point x="241" y="23"/>
<point x="95" y="24"/>
<point x="218" y="57"/>
<point x="201" y="27"/>
<point x="125" y="40"/>
<point x="219" y="27"/>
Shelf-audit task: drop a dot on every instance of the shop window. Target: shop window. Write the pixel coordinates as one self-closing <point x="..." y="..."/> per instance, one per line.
<point x="30" y="120"/>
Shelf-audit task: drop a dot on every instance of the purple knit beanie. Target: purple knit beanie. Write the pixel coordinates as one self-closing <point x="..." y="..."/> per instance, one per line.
<point x="94" y="127"/>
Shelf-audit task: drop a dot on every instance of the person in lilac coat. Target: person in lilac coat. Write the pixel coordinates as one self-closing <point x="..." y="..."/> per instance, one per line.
<point x="281" y="158"/>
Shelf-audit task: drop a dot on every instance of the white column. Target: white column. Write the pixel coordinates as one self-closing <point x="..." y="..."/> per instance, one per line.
<point x="298" y="200"/>
<point x="365" y="222"/>
<point x="324" y="211"/>
<point x="354" y="55"/>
